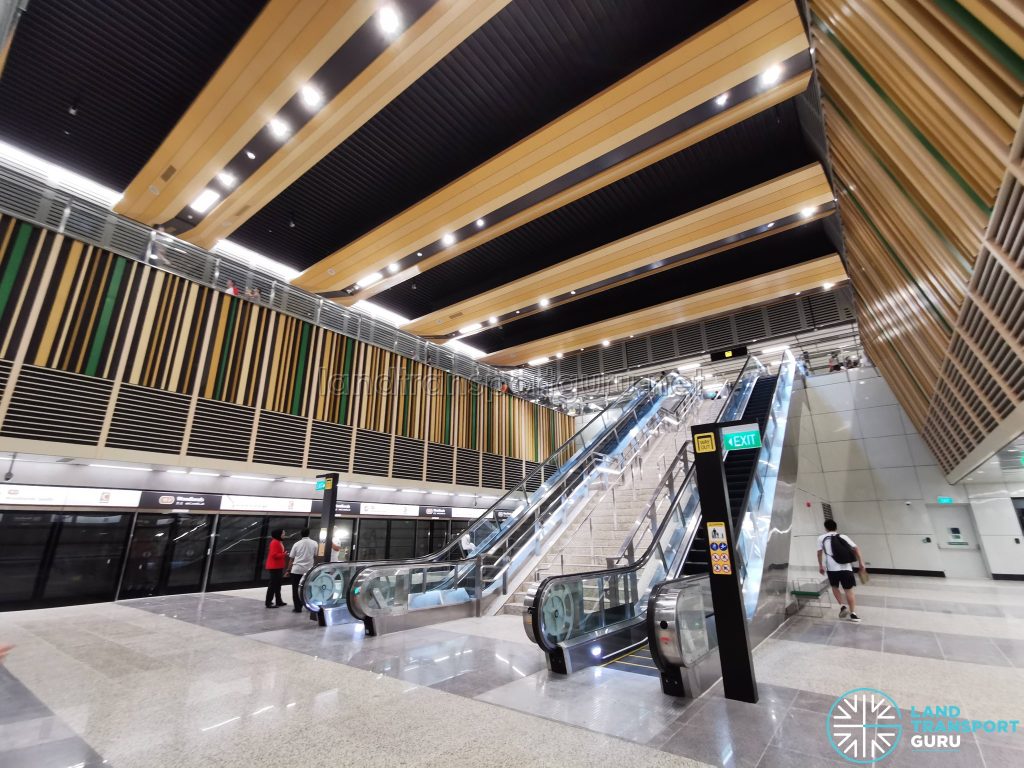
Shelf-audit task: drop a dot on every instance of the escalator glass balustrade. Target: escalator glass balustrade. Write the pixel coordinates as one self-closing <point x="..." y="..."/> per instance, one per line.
<point x="477" y="567"/>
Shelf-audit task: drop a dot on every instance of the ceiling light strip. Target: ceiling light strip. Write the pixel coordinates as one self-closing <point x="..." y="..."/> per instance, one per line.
<point x="547" y="304"/>
<point x="749" y="89"/>
<point x="345" y="65"/>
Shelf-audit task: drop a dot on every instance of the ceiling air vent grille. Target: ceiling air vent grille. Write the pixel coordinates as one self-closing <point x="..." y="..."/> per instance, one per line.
<point x="783" y="318"/>
<point x="491" y="471"/>
<point x="16" y="198"/>
<point x="513" y="472"/>
<point x="689" y="340"/>
<point x="280" y="439"/>
<point x="53" y="405"/>
<point x="86" y="223"/>
<point x="372" y="453"/>
<point x="824" y="309"/>
<point x="751" y="325"/>
<point x="330" y="446"/>
<point x="534" y="480"/>
<point x="663" y="346"/>
<point x="590" y="363"/>
<point x="441" y="463"/>
<point x="221" y="430"/>
<point x="636" y="352"/>
<point x="407" y="463"/>
<point x="5" y="374"/>
<point x="719" y="333"/>
<point x="147" y="419"/>
<point x="467" y="467"/>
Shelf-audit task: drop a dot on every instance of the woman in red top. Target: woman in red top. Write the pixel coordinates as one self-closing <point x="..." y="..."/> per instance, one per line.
<point x="276" y="560"/>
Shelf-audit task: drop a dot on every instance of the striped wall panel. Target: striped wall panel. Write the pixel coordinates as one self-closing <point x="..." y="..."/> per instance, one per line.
<point x="922" y="102"/>
<point x="77" y="308"/>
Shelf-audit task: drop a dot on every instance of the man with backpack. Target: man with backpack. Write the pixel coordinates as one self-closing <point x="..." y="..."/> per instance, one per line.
<point x="840" y="554"/>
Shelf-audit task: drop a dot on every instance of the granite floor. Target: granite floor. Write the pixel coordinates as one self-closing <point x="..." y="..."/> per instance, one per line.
<point x="219" y="680"/>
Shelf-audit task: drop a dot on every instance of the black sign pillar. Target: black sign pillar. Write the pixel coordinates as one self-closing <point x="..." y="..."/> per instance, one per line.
<point x="716" y="519"/>
<point x="327" y="504"/>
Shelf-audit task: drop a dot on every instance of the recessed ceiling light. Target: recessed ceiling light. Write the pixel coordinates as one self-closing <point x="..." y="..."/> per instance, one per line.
<point x="605" y="343"/>
<point x="278" y="128"/>
<point x="115" y="466"/>
<point x="447" y="239"/>
<point x="558" y="355"/>
<point x="419" y="253"/>
<point x="798" y="293"/>
<point x="572" y="293"/>
<point x="471" y="327"/>
<point x="517" y="311"/>
<point x="771" y="75"/>
<point x="537" y="361"/>
<point x="722" y="100"/>
<point x="250" y="155"/>
<point x="770" y="224"/>
<point x="389" y="20"/>
<point x="392" y="268"/>
<point x="545" y="302"/>
<point x="205" y="201"/>
<point x="480" y="223"/>
<point x="492" y="320"/>
<point x="311" y="97"/>
<point x="808" y="212"/>
<point x="370" y="280"/>
<point x="227" y="179"/>
<point x="827" y="286"/>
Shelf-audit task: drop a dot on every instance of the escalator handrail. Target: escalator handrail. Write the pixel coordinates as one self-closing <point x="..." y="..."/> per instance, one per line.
<point x="642" y="561"/>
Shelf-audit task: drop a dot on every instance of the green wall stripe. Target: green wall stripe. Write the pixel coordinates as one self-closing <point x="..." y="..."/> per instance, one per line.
<point x="953" y="250"/>
<point x="222" y="366"/>
<point x="99" y="336"/>
<point x="932" y="150"/>
<point x="300" y="370"/>
<point x="13" y="264"/>
<point x="991" y="42"/>
<point x="346" y="376"/>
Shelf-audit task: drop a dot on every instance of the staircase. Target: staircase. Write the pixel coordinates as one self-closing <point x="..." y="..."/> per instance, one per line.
<point x="739" y="466"/>
<point x="599" y="535"/>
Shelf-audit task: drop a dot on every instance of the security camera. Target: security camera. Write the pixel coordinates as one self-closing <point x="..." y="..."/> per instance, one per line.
<point x="907" y="503"/>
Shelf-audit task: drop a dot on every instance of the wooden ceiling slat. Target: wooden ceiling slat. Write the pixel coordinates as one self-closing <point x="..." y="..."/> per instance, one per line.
<point x="735" y="49"/>
<point x="435" y="34"/>
<point x="768" y="202"/>
<point x="282" y="49"/>
<point x="720" y="122"/>
<point x="722" y="300"/>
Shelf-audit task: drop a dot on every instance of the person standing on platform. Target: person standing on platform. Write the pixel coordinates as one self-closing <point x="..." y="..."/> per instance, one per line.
<point x="300" y="560"/>
<point x="276" y="560"/>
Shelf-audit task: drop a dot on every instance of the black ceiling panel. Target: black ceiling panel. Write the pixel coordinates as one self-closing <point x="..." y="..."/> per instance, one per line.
<point x="129" y="68"/>
<point x="785" y="249"/>
<point x="722" y="165"/>
<point x="532" y="62"/>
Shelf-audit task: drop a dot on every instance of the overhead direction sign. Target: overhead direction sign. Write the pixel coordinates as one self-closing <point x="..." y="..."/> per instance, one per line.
<point x="741" y="437"/>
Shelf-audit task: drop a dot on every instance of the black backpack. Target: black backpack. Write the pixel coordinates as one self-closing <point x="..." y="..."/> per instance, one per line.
<point x="841" y="552"/>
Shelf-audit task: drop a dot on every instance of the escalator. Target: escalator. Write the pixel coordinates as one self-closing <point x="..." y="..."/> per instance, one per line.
<point x="739" y="466"/>
<point x="599" y="617"/>
<point x="469" y="575"/>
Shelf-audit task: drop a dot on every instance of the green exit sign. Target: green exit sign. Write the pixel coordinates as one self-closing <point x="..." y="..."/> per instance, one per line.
<point x="945" y="499"/>
<point x="321" y="484"/>
<point x="741" y="437"/>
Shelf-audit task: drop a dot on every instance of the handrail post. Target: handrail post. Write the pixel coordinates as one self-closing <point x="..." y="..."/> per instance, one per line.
<point x="479" y="578"/>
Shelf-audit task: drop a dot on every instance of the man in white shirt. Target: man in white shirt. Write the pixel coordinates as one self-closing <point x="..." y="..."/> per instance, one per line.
<point x="840" y="574"/>
<point x="300" y="560"/>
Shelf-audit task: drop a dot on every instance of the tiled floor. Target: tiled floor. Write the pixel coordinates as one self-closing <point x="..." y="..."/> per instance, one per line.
<point x="229" y="682"/>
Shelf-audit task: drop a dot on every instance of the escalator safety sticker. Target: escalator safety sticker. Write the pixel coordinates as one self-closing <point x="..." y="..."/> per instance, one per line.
<point x="719" y="548"/>
<point x="705" y="442"/>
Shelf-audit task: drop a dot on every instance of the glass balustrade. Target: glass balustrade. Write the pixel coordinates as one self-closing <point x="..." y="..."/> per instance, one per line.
<point x="507" y="534"/>
<point x="566" y="608"/>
